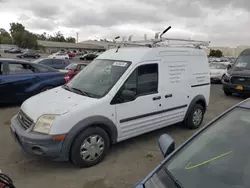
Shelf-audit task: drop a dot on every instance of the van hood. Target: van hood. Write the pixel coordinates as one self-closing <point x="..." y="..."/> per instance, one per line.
<point x="239" y="72"/>
<point x="55" y="101"/>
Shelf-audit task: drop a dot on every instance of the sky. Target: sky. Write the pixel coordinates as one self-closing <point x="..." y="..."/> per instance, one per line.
<point x="223" y="22"/>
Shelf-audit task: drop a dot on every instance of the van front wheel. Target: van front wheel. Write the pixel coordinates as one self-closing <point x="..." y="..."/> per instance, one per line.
<point x="90" y="147"/>
<point x="195" y="117"/>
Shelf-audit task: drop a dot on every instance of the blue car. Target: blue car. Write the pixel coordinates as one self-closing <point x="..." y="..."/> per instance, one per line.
<point x="20" y="80"/>
<point x="216" y="156"/>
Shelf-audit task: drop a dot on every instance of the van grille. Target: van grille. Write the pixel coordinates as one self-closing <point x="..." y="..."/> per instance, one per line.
<point x="240" y="80"/>
<point x="25" y="121"/>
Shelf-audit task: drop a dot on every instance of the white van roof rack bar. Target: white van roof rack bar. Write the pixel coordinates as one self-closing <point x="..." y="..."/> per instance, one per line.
<point x="166" y="42"/>
<point x="157" y="42"/>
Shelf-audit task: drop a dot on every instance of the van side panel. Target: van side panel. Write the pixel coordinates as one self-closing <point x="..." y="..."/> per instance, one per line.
<point x="174" y="86"/>
<point x="200" y="75"/>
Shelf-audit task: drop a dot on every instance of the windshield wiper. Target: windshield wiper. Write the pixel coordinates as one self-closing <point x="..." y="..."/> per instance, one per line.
<point x="81" y="92"/>
<point x="176" y="182"/>
<point x="65" y="86"/>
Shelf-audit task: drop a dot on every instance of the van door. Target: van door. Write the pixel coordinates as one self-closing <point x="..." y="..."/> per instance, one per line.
<point x="175" y="88"/>
<point x="138" y="102"/>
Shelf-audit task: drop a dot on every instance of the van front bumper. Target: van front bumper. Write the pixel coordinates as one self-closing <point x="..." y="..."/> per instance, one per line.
<point x="228" y="87"/>
<point x="36" y="143"/>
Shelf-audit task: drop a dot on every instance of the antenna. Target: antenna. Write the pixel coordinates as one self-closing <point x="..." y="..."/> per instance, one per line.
<point x="116" y="39"/>
<point x="166" y="30"/>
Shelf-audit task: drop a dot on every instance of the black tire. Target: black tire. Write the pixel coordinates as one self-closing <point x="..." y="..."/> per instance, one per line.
<point x="75" y="155"/>
<point x="227" y="93"/>
<point x="190" y="118"/>
<point x="46" y="88"/>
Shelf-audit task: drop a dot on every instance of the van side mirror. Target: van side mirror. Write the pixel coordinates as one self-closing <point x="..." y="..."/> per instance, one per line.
<point x="166" y="144"/>
<point x="229" y="66"/>
<point x="128" y="95"/>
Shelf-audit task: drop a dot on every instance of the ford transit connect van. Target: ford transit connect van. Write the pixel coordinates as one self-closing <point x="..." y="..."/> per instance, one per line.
<point x="123" y="93"/>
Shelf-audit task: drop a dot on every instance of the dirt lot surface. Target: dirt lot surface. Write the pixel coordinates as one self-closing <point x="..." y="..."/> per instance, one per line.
<point x="126" y="164"/>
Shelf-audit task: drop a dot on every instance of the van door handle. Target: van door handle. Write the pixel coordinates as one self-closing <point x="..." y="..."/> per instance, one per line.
<point x="157" y="98"/>
<point x="168" y="95"/>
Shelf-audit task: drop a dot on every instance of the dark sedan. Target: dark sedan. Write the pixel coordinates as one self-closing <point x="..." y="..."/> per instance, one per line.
<point x="53" y="62"/>
<point x="215" y="157"/>
<point x="20" y="80"/>
<point x="29" y="55"/>
<point x="15" y="51"/>
<point x="88" y="57"/>
<point x="7" y="50"/>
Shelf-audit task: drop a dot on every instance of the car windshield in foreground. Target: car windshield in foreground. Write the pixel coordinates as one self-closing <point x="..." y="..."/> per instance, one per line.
<point x="243" y="62"/>
<point x="218" y="66"/>
<point x="218" y="157"/>
<point x="99" y="77"/>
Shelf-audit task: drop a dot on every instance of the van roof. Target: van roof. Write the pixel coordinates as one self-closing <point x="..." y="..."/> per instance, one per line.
<point x="139" y="54"/>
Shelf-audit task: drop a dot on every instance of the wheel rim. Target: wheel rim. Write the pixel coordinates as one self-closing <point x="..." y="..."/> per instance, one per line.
<point x="197" y="117"/>
<point x="92" y="148"/>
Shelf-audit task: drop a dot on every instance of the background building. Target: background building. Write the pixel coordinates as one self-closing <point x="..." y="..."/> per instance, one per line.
<point x="50" y="47"/>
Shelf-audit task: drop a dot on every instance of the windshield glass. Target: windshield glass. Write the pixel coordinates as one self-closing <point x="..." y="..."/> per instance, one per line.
<point x="218" y="66"/>
<point x="99" y="77"/>
<point x="38" y="60"/>
<point x="71" y="66"/>
<point x="214" y="158"/>
<point x="243" y="62"/>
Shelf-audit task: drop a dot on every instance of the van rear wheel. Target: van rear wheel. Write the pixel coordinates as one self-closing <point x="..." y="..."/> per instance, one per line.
<point x="195" y="117"/>
<point x="90" y="147"/>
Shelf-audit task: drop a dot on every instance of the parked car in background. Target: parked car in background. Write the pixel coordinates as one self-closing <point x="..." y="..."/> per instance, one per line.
<point x="59" y="56"/>
<point x="216" y="156"/>
<point x="78" y="67"/>
<point x="218" y="70"/>
<point x="53" y="62"/>
<point x="7" y="50"/>
<point x="88" y="57"/>
<point x="71" y="66"/>
<point x="20" y="80"/>
<point x="71" y="54"/>
<point x="29" y="55"/>
<point x="15" y="51"/>
<point x="237" y="79"/>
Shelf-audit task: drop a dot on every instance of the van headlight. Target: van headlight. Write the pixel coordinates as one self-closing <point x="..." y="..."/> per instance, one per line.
<point x="44" y="122"/>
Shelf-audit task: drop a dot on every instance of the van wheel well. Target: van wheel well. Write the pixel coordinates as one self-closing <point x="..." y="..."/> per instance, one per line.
<point x="202" y="103"/>
<point x="102" y="126"/>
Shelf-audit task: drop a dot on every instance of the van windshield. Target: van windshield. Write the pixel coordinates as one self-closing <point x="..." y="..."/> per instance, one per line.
<point x="243" y="62"/>
<point x="98" y="77"/>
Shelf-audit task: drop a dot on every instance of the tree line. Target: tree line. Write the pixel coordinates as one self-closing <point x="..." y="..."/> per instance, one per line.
<point x="23" y="38"/>
<point x="215" y="53"/>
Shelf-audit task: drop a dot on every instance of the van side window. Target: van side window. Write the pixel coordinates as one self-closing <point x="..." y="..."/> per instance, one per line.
<point x="147" y="79"/>
<point x="142" y="81"/>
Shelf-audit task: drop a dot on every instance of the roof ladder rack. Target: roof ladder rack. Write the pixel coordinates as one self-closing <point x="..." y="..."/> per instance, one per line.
<point x="162" y="42"/>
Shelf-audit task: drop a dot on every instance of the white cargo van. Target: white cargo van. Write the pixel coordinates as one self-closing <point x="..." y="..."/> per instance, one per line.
<point x="123" y="93"/>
